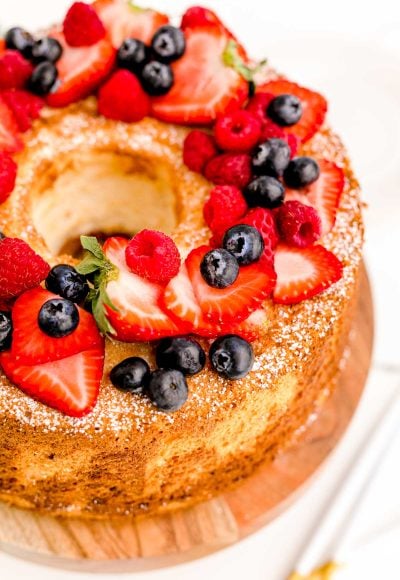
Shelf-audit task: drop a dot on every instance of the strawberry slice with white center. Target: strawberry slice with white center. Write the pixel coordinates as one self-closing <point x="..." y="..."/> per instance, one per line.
<point x="235" y="303"/>
<point x="10" y="141"/>
<point x="204" y="85"/>
<point x="304" y="272"/>
<point x="323" y="195"/>
<point x="139" y="315"/>
<point x="70" y="385"/>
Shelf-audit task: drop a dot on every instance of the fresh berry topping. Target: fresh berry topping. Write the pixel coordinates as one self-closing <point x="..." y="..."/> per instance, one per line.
<point x="225" y="206"/>
<point x="19" y="39"/>
<point x="122" y="98"/>
<point x="182" y="354"/>
<point x="43" y="79"/>
<point x="233" y="304"/>
<point x="15" y="70"/>
<point x="70" y="385"/>
<point x="263" y="220"/>
<point x="8" y="174"/>
<point x="20" y="268"/>
<point x="58" y="317"/>
<point x="271" y="158"/>
<point x="300" y="172"/>
<point x="285" y="110"/>
<point x="154" y="256"/>
<point x="167" y="389"/>
<point x="157" y="78"/>
<point x="82" y="26"/>
<point x="131" y="375"/>
<point x="293" y="143"/>
<point x="132" y="55"/>
<point x="245" y="243"/>
<point x="304" y="272"/>
<point x="299" y="225"/>
<point x="25" y="107"/>
<point x="231" y="356"/>
<point x="6" y="329"/>
<point x="219" y="268"/>
<point x="10" y="141"/>
<point x="65" y="281"/>
<point x="46" y="48"/>
<point x="200" y="17"/>
<point x="313" y="105"/>
<point x="258" y="106"/>
<point x="238" y="131"/>
<point x="168" y="43"/>
<point x="264" y="191"/>
<point x="272" y="131"/>
<point x="198" y="149"/>
<point x="229" y="169"/>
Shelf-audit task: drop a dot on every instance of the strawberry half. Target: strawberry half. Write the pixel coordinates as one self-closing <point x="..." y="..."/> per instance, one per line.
<point x="304" y="272"/>
<point x="314" y="107"/>
<point x="233" y="304"/>
<point x="323" y="195"/>
<point x="70" y="385"/>
<point x="204" y="86"/>
<point x="10" y="140"/>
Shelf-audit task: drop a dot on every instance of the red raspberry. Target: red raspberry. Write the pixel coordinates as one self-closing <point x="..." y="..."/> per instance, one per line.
<point x="198" y="149"/>
<point x="123" y="98"/>
<point x="238" y="131"/>
<point x="20" y="268"/>
<point x="8" y="174"/>
<point x="225" y="206"/>
<point x="82" y="26"/>
<point x="263" y="220"/>
<point x="229" y="169"/>
<point x="299" y="225"/>
<point x="154" y="256"/>
<point x="15" y="70"/>
<point x="24" y="105"/>
<point x="271" y="131"/>
<point x="258" y="106"/>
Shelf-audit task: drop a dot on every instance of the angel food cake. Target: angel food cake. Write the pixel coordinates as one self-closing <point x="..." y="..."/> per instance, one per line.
<point x="180" y="248"/>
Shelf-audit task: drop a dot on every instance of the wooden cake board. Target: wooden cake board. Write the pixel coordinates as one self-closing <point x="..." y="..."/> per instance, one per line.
<point x="126" y="544"/>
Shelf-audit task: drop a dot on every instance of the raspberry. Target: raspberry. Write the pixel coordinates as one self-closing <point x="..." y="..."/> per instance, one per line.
<point x="229" y="169"/>
<point x="20" y="268"/>
<point x="299" y="225"/>
<point x="238" y="131"/>
<point x="258" y="106"/>
<point x="15" y="70"/>
<point x="272" y="131"/>
<point x="8" y="174"/>
<point x="225" y="206"/>
<point x="123" y="98"/>
<point x="263" y="220"/>
<point x="24" y="105"/>
<point x="154" y="256"/>
<point x="82" y="26"/>
<point x="198" y="149"/>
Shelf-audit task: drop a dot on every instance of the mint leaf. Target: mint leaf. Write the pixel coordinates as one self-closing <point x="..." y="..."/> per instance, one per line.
<point x="232" y="58"/>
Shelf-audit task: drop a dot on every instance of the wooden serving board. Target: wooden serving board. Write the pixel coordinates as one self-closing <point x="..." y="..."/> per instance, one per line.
<point x="127" y="544"/>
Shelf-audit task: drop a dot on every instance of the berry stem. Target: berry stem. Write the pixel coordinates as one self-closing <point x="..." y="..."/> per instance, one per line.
<point x="232" y="58"/>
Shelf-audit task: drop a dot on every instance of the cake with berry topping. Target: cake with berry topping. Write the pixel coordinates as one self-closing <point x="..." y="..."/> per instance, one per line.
<point x="180" y="247"/>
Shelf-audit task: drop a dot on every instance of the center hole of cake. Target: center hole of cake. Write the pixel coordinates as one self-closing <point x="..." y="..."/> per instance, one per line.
<point x="103" y="194"/>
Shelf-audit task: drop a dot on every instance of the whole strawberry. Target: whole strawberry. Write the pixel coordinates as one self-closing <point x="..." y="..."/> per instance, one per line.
<point x="20" y="268"/>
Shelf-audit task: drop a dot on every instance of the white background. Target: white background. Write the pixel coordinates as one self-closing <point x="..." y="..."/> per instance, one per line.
<point x="350" y="51"/>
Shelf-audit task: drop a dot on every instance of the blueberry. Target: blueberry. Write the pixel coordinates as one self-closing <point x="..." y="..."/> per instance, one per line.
<point x="300" y="172"/>
<point x="157" y="78"/>
<point x="43" y="79"/>
<point x="65" y="281"/>
<point x="19" y="39"/>
<point x="131" y="374"/>
<point x="245" y="243"/>
<point x="132" y="55"/>
<point x="231" y="356"/>
<point x="264" y="191"/>
<point x="285" y="110"/>
<point x="219" y="268"/>
<point x="46" y="48"/>
<point x="6" y="329"/>
<point x="271" y="158"/>
<point x="183" y="354"/>
<point x="58" y="317"/>
<point x="168" y="43"/>
<point x="167" y="389"/>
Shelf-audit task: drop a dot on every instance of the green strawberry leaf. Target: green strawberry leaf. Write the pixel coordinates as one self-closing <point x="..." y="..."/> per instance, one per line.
<point x="232" y="58"/>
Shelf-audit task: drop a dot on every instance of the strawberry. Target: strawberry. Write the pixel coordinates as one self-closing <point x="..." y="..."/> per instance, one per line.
<point x="314" y="107"/>
<point x="200" y="93"/>
<point x="10" y="140"/>
<point x="323" y="195"/>
<point x="32" y="346"/>
<point x="199" y="17"/>
<point x="125" y="20"/>
<point x="70" y="385"/>
<point x="304" y="272"/>
<point x="234" y="303"/>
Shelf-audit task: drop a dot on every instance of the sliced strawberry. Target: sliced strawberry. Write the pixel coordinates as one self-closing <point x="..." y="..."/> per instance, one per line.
<point x="124" y="20"/>
<point x="204" y="86"/>
<point x="251" y="328"/>
<point x="70" y="385"/>
<point x="200" y="17"/>
<point x="80" y="70"/>
<point x="314" y="107"/>
<point x="32" y="346"/>
<point x="253" y="285"/>
<point x="10" y="140"/>
<point x="139" y="316"/>
<point x="324" y="194"/>
<point x="304" y="272"/>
